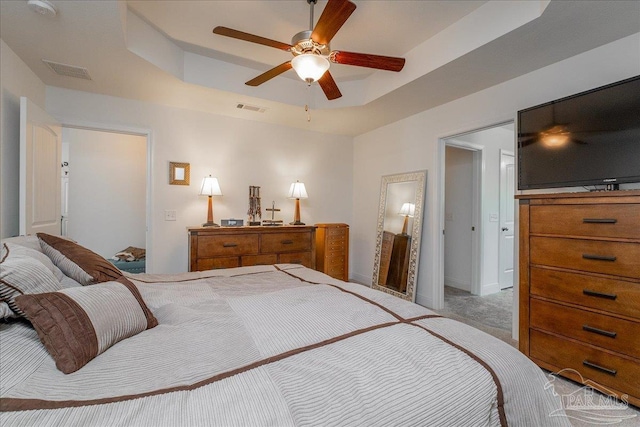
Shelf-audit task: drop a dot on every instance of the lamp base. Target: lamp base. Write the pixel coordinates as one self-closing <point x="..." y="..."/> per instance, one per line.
<point x="210" y="224"/>
<point x="297" y="223"/>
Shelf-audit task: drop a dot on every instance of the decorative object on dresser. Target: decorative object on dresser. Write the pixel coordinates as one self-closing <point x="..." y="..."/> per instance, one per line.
<point x="332" y="250"/>
<point x="179" y="173"/>
<point x="255" y="206"/>
<point x="297" y="191"/>
<point x="273" y="221"/>
<point x="212" y="248"/>
<point x="396" y="259"/>
<point x="210" y="187"/>
<point x="580" y="287"/>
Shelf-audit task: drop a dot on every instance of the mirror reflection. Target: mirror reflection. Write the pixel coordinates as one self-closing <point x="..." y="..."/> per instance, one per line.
<point x="398" y="234"/>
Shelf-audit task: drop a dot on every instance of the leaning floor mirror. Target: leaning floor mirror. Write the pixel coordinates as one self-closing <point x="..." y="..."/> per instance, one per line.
<point x="398" y="235"/>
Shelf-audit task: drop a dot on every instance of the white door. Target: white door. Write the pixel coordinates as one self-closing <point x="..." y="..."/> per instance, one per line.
<point x="40" y="158"/>
<point x="507" y="207"/>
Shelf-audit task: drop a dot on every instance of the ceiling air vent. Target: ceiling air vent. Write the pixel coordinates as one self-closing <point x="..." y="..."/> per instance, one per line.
<point x="68" y="70"/>
<point x="251" y="108"/>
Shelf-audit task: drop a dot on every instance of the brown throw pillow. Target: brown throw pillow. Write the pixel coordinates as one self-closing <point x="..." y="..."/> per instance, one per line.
<point x="81" y="264"/>
<point x="77" y="324"/>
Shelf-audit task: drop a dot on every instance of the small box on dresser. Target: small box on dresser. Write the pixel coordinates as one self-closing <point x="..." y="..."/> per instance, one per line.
<point x="580" y="287"/>
<point x="332" y="250"/>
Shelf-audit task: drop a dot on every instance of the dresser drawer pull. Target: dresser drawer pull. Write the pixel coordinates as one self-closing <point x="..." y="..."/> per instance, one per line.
<point x="611" y="372"/>
<point x="599" y="294"/>
<point x="599" y="331"/>
<point x="599" y="257"/>
<point x="599" y="220"/>
<point x="287" y="242"/>
<point x="229" y="245"/>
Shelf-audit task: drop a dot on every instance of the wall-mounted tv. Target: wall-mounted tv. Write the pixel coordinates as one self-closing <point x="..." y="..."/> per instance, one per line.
<point x="588" y="139"/>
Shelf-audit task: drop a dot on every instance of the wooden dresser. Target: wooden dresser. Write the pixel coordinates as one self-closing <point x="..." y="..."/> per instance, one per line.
<point x="227" y="247"/>
<point x="580" y="287"/>
<point x="332" y="250"/>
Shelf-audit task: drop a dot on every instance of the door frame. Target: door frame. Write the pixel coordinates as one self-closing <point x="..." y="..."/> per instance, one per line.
<point x="477" y="257"/>
<point x="509" y="197"/>
<point x="129" y="130"/>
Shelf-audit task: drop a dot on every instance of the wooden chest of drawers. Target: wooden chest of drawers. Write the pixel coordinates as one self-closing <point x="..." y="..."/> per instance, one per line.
<point x="580" y="287"/>
<point x="332" y="250"/>
<point x="227" y="247"/>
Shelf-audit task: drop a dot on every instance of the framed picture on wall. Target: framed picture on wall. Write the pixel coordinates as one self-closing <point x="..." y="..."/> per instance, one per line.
<point x="179" y="173"/>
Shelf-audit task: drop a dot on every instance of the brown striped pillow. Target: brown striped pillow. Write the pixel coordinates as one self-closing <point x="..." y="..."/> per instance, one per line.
<point x="81" y="264"/>
<point x="77" y="324"/>
<point x="21" y="274"/>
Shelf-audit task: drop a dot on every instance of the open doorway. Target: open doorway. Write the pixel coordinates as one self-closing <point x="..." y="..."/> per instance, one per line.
<point x="104" y="203"/>
<point x="477" y="266"/>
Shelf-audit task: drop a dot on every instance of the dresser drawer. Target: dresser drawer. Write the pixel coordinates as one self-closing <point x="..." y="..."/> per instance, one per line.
<point x="336" y="232"/>
<point x="615" y="258"/>
<point x="267" y="259"/>
<point x="222" y="245"/>
<point x="215" y="263"/>
<point x="600" y="330"/>
<point x="604" y="220"/>
<point x="615" y="296"/>
<point x="615" y="371"/>
<point x="285" y="242"/>
<point x="303" y="258"/>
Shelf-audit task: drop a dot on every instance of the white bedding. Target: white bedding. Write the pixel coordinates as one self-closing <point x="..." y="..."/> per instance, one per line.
<point x="278" y="345"/>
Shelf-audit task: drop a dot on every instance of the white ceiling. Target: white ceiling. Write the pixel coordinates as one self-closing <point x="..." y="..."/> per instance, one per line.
<point x="165" y="51"/>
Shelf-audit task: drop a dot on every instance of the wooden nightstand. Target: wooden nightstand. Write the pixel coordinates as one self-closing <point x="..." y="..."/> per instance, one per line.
<point x="332" y="250"/>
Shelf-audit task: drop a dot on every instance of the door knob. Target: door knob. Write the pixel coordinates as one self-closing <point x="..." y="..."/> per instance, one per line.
<point x="505" y="229"/>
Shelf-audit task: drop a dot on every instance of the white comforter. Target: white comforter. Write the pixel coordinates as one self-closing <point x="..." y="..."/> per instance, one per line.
<point x="281" y="346"/>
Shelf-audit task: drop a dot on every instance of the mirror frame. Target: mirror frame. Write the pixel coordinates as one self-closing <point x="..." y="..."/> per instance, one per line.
<point x="420" y="178"/>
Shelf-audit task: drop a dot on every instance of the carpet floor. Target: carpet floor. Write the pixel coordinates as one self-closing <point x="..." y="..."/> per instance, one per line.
<point x="493" y="315"/>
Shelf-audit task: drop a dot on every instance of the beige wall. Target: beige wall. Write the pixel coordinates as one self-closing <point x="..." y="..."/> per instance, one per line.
<point x="16" y="80"/>
<point x="414" y="144"/>
<point x="238" y="152"/>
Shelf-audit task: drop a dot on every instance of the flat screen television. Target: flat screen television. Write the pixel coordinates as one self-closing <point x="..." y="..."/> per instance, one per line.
<point x="588" y="139"/>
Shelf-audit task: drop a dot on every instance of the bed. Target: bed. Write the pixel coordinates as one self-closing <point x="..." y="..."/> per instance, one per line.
<point x="279" y="345"/>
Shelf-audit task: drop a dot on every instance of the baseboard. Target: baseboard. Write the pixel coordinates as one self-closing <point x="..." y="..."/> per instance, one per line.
<point x="455" y="283"/>
<point x="491" y="288"/>
<point x="362" y="279"/>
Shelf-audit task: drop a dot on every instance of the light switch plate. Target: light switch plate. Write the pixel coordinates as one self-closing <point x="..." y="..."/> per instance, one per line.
<point x="170" y="215"/>
<point x="493" y="217"/>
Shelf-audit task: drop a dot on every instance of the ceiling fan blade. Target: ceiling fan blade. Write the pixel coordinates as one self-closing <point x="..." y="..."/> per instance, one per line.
<point x="268" y="75"/>
<point x="388" y="63"/>
<point x="224" y="31"/>
<point x="334" y="15"/>
<point x="329" y="86"/>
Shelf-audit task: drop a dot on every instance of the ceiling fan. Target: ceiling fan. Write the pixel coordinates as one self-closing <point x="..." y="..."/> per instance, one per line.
<point x="311" y="52"/>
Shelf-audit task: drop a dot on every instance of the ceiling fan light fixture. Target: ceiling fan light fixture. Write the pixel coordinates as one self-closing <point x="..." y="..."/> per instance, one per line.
<point x="310" y="67"/>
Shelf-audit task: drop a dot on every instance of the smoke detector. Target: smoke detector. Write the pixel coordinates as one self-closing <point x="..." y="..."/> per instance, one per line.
<point x="43" y="7"/>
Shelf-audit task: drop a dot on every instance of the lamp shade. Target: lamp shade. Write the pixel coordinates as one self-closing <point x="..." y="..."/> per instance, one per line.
<point x="309" y="66"/>
<point x="407" y="209"/>
<point x="210" y="187"/>
<point x="297" y="191"/>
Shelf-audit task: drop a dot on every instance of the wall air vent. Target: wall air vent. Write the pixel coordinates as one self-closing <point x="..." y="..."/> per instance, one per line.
<point x="68" y="70"/>
<point x="251" y="108"/>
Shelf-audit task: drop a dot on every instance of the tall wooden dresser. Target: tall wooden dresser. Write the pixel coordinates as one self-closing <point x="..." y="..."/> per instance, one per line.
<point x="580" y="287"/>
<point x="332" y="250"/>
<point x="227" y="247"/>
